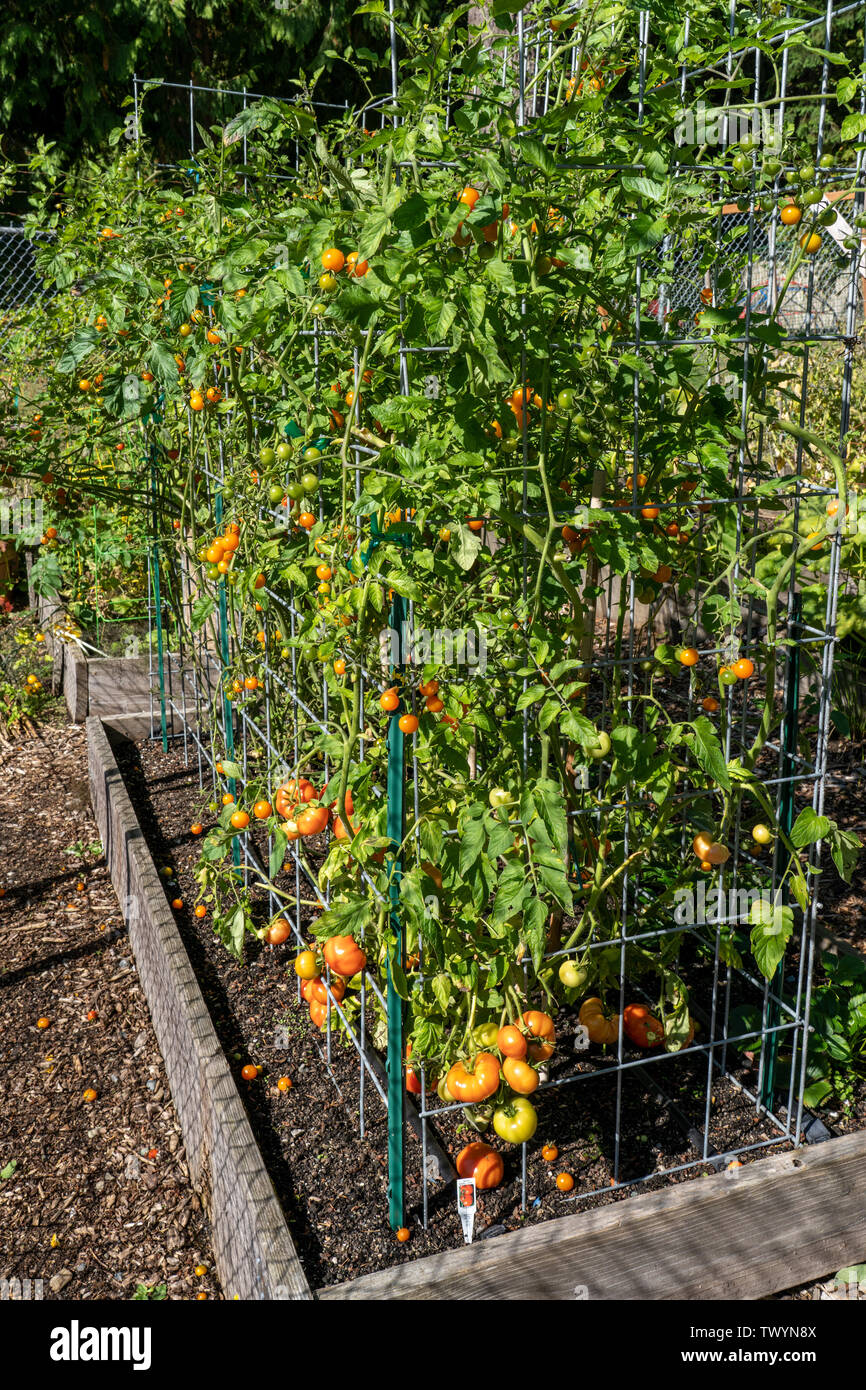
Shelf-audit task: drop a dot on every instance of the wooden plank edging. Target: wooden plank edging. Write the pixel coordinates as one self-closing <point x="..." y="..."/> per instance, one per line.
<point x="737" y="1235"/>
<point x="255" y="1254"/>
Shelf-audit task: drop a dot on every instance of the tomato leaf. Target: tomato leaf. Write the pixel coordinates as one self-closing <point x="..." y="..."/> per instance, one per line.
<point x="347" y="918"/>
<point x="845" y="847"/>
<point x="708" y="751"/>
<point x="533" y="930"/>
<point x="769" y="941"/>
<point x="465" y="546"/>
<point x="809" y="827"/>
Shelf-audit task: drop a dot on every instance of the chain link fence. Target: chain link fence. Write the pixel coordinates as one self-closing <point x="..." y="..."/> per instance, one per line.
<point x="764" y="277"/>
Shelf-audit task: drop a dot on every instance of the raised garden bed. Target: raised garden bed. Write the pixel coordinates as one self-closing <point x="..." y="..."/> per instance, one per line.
<point x="331" y="1183"/>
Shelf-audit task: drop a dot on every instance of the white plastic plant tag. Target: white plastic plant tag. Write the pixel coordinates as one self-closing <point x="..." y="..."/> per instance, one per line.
<point x="466" y="1206"/>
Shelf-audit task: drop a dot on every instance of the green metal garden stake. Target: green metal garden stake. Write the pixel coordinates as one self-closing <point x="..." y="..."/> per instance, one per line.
<point x="157" y="603"/>
<point x="786" y="820"/>
<point x="396" y="830"/>
<point x="228" y="724"/>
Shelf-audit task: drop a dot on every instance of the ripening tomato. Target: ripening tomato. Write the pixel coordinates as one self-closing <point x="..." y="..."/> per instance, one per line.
<point x="344" y="956"/>
<point x="319" y="990"/>
<point x="313" y="820"/>
<point x="601" y="1026"/>
<point x="511" y="1042"/>
<point x="306" y="966"/>
<point x="261" y="810"/>
<point x="540" y="1026"/>
<point x="278" y="932"/>
<point x="520" y="1076"/>
<point x="318" y="1013"/>
<point x="333" y="259"/>
<point x="483" y="1163"/>
<point x="476" y="1082"/>
<point x="641" y="1027"/>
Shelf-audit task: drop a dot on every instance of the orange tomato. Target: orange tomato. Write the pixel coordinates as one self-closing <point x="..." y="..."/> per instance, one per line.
<point x="511" y="1042"/>
<point x="520" y="1076"/>
<point x="344" y="956"/>
<point x="475" y="1083"/>
<point x="641" y="1027"/>
<point x="483" y="1163"/>
<point x="540" y="1026"/>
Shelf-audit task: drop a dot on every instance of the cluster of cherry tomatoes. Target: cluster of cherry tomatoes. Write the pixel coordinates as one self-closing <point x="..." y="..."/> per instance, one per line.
<point x="219" y="553"/>
<point x="408" y="723"/>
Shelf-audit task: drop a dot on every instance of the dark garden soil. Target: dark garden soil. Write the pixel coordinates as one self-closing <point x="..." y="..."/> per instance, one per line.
<point x="95" y="1197"/>
<point x="331" y="1181"/>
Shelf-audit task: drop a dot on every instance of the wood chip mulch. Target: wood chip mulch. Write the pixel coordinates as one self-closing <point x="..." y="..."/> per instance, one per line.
<point x="95" y="1197"/>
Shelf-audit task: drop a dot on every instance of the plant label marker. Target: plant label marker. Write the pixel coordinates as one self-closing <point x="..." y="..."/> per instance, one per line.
<point x="466" y="1206"/>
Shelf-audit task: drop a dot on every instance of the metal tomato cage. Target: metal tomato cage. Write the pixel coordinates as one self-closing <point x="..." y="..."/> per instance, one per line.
<point x="191" y="703"/>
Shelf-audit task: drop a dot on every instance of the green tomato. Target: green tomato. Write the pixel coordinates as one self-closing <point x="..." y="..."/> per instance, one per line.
<point x="309" y="481"/>
<point x="311" y="454"/>
<point x="486" y="1034"/>
<point x="601" y="747"/>
<point x="499" y="797"/>
<point x="509" y="444"/>
<point x="283" y="452"/>
<point x="826" y="161"/>
<point x="727" y="676"/>
<point x="295" y="491"/>
<point x="827" y="217"/>
<point x="510" y="663"/>
<point x="275" y="495"/>
<point x="486" y="251"/>
<point x="806" y="173"/>
<point x="202" y="554"/>
<point x="811" y="197"/>
<point x="212" y="572"/>
<point x="573" y="976"/>
<point x="443" y="1093"/>
<point x="772" y="168"/>
<point x="741" y="162"/>
<point x="267" y="458"/>
<point x="516" y="1121"/>
<point x="565" y="399"/>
